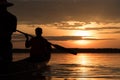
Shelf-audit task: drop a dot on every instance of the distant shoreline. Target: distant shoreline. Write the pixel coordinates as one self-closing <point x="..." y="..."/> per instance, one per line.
<point x="79" y="50"/>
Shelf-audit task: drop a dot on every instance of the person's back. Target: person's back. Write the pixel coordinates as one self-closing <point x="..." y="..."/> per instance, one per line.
<point x="40" y="47"/>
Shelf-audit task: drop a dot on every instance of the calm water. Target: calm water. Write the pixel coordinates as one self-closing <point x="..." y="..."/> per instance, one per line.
<point x="84" y="66"/>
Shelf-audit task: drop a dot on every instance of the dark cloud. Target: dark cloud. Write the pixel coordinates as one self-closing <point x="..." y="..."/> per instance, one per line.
<point x="64" y="38"/>
<point x="102" y="28"/>
<point x="112" y="32"/>
<point x="117" y="32"/>
<point x="76" y="25"/>
<point x="20" y="37"/>
<point x="98" y="39"/>
<point x="50" y="11"/>
<point x="89" y="28"/>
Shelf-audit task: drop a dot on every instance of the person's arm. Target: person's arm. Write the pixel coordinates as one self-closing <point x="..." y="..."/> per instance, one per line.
<point x="27" y="42"/>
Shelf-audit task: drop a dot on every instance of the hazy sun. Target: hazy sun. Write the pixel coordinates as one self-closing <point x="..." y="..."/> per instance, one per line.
<point x="82" y="33"/>
<point x="82" y="42"/>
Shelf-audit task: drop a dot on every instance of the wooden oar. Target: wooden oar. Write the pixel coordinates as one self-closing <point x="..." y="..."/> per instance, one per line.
<point x="55" y="45"/>
<point x="24" y="33"/>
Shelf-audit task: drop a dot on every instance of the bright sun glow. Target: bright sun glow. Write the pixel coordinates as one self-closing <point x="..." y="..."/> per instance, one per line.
<point x="82" y="33"/>
<point x="82" y="42"/>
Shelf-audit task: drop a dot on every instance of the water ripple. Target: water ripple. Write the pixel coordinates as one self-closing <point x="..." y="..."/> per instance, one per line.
<point x="82" y="71"/>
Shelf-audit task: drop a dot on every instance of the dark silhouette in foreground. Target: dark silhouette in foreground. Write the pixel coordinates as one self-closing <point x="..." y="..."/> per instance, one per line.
<point x="56" y="46"/>
<point x="8" y="24"/>
<point x="40" y="53"/>
<point x="40" y="47"/>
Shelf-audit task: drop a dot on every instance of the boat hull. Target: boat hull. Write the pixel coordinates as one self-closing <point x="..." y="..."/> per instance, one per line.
<point x="22" y="67"/>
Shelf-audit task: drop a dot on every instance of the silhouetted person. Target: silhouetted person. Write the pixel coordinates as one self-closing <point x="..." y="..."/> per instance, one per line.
<point x="8" y="24"/>
<point x="40" y="47"/>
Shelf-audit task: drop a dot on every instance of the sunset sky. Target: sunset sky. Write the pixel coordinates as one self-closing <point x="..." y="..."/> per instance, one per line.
<point x="70" y="23"/>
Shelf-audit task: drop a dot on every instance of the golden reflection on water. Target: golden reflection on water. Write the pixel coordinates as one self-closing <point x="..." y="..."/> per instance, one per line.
<point x="83" y="59"/>
<point x="83" y="66"/>
<point x="89" y="79"/>
<point x="78" y="79"/>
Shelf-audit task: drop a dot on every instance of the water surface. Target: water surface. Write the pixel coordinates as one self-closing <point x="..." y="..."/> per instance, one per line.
<point x="84" y="66"/>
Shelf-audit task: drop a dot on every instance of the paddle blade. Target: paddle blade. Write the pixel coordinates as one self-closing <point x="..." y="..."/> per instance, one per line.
<point x="65" y="49"/>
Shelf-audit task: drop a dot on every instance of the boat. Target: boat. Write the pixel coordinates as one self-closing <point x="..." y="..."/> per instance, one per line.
<point x="22" y="68"/>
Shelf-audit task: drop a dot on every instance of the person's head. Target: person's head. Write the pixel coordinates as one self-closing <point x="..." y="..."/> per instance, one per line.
<point x="38" y="31"/>
<point x="5" y="4"/>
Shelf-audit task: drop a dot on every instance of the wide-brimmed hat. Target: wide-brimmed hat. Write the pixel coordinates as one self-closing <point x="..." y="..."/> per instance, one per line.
<point x="5" y="3"/>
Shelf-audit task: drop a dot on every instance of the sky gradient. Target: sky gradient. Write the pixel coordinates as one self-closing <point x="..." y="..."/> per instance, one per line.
<point x="71" y="23"/>
<point x="50" y="11"/>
